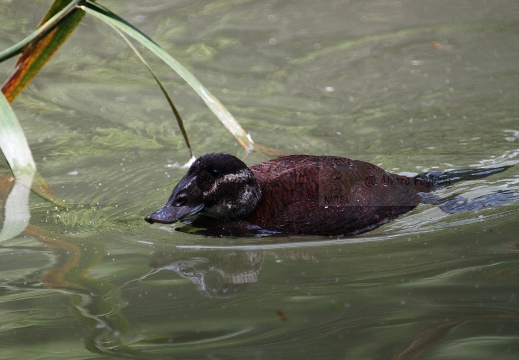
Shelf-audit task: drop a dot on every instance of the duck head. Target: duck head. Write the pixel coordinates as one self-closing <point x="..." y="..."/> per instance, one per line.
<point x="216" y="185"/>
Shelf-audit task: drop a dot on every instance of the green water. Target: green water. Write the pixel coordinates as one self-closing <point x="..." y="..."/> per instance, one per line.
<point x="410" y="86"/>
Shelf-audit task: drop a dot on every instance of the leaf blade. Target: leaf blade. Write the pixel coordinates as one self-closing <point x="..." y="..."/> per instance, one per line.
<point x="162" y="88"/>
<point x="211" y="101"/>
<point x="17" y="152"/>
<point x="14" y="145"/>
<point x="64" y="16"/>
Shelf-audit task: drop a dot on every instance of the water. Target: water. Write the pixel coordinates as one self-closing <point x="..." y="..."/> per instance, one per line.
<point x="412" y="87"/>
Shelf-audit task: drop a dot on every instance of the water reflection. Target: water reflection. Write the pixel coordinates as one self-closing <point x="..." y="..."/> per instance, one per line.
<point x="94" y="302"/>
<point x="16" y="213"/>
<point x="219" y="274"/>
<point x="460" y="204"/>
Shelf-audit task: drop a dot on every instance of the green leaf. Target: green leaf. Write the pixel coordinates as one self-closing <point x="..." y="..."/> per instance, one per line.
<point x="162" y="88"/>
<point x="212" y="102"/>
<point x="15" y="148"/>
<point x="14" y="145"/>
<point x="17" y="153"/>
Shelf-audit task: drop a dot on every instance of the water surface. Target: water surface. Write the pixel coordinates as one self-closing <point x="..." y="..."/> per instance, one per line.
<point x="410" y="86"/>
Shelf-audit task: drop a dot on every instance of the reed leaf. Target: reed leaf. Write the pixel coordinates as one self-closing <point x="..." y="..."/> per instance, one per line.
<point x="14" y="145"/>
<point x="15" y="148"/>
<point x="162" y="88"/>
<point x="211" y="101"/>
<point x="17" y="153"/>
<point x="56" y="26"/>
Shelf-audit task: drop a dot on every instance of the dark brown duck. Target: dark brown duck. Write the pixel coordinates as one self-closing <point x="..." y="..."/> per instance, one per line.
<point x="298" y="194"/>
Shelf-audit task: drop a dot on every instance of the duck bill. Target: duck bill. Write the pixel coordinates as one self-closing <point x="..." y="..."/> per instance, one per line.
<point x="170" y="214"/>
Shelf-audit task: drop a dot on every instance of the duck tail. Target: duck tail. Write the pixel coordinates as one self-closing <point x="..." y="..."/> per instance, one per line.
<point x="440" y="179"/>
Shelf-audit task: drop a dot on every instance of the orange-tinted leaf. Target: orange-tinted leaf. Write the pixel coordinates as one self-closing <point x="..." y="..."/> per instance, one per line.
<point x="34" y="58"/>
<point x="40" y="187"/>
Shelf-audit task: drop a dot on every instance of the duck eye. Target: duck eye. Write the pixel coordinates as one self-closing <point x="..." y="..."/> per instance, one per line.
<point x="216" y="173"/>
<point x="180" y="200"/>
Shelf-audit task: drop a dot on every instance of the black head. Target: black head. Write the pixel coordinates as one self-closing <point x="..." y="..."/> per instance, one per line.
<point x="217" y="185"/>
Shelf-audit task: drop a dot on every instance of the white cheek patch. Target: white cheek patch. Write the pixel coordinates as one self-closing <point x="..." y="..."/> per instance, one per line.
<point x="228" y="178"/>
<point x="240" y="203"/>
<point x="237" y="177"/>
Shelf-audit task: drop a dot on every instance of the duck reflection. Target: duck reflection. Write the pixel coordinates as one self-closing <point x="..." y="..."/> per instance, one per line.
<point x="219" y="274"/>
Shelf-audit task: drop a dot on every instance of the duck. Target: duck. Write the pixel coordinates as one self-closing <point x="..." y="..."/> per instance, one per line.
<point x="290" y="195"/>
